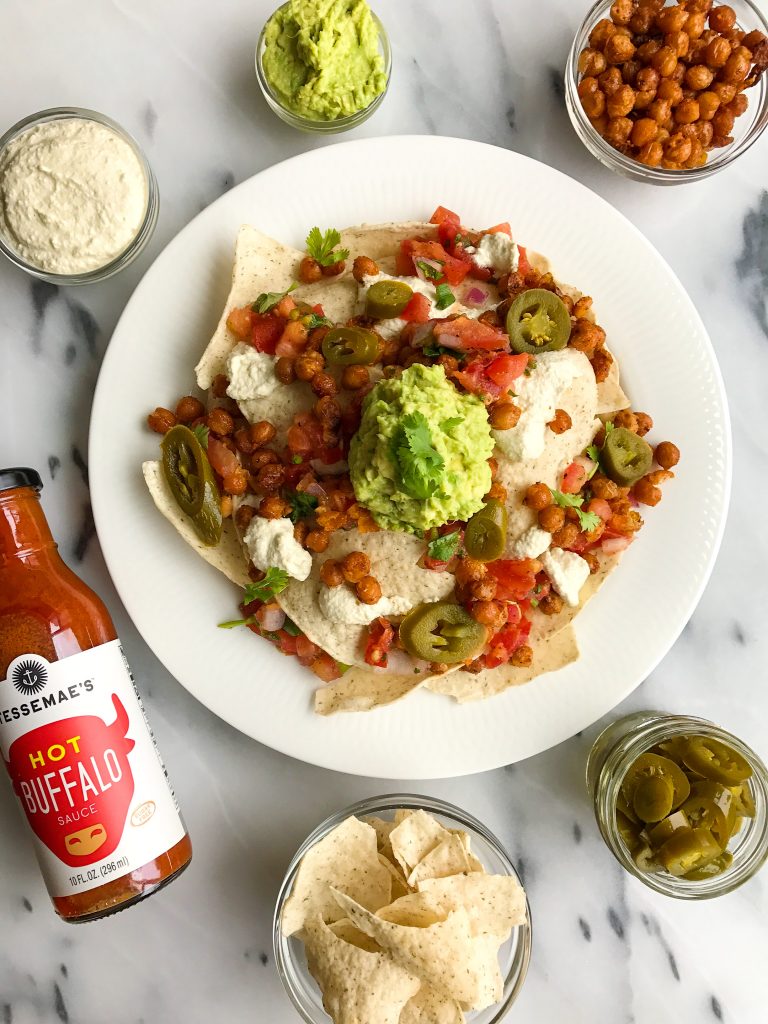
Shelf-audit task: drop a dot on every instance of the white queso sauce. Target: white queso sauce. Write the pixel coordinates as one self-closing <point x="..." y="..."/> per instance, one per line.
<point x="73" y="195"/>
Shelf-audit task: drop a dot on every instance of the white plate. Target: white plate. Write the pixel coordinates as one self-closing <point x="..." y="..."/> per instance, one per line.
<point x="668" y="368"/>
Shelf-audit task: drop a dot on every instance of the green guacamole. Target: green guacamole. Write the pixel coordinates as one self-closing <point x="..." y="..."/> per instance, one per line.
<point x="420" y="456"/>
<point x="322" y="57"/>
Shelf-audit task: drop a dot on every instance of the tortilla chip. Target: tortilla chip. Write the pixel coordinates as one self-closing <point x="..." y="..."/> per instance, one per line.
<point x="380" y="242"/>
<point x="433" y="954"/>
<point x="414" y="910"/>
<point x="344" y="929"/>
<point x="394" y="559"/>
<point x="430" y="1007"/>
<point x="495" y="903"/>
<point x="362" y="689"/>
<point x="414" y="838"/>
<point x="474" y="863"/>
<point x="358" y="986"/>
<point x="399" y="884"/>
<point x="448" y="858"/>
<point x="347" y="859"/>
<point x="226" y="556"/>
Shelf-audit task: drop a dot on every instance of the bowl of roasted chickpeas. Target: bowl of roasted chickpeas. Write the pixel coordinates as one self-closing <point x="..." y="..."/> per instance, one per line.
<point x="668" y="93"/>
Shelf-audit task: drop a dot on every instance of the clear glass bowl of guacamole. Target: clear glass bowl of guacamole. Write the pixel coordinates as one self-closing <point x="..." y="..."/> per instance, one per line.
<point x="324" y="65"/>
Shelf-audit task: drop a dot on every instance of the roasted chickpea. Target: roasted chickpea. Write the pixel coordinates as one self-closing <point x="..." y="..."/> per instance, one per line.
<point x="219" y="385"/>
<point x="601" y="362"/>
<point x="646" y="50"/>
<point x="310" y="270"/>
<point x="504" y="415"/>
<point x="323" y="384"/>
<point x="626" y="418"/>
<point x="368" y="590"/>
<point x="334" y="269"/>
<point x="236" y="482"/>
<point x="694" y="27"/>
<point x="660" y="110"/>
<point x="722" y="122"/>
<point x="722" y="18"/>
<point x="355" y="565"/>
<point x="643" y="132"/>
<point x="622" y="11"/>
<point x="726" y="91"/>
<point x="161" y="420"/>
<point x="687" y="112"/>
<point x="262" y="458"/>
<point x="621" y="102"/>
<point x="679" y="42"/>
<point x="641" y="21"/>
<point x="704" y="133"/>
<point x="717" y="52"/>
<point x="522" y="657"/>
<point x="664" y="61"/>
<point x="752" y="40"/>
<point x="594" y="105"/>
<point x="602" y="487"/>
<point x="243" y="440"/>
<point x="643" y="99"/>
<point x="273" y="507"/>
<point x="609" y="82"/>
<point x="243" y="517"/>
<point x="738" y="105"/>
<point x="308" y="364"/>
<point x="565" y="536"/>
<point x="498" y="492"/>
<point x="220" y="422"/>
<point x="468" y="570"/>
<point x="561" y="422"/>
<point x="284" y="370"/>
<point x="646" y="493"/>
<point x="667" y="454"/>
<point x="591" y="62"/>
<point x="330" y="571"/>
<point x="619" y="48"/>
<point x="316" y="338"/>
<point x="270" y="478"/>
<point x="551" y="518"/>
<point x="630" y="70"/>
<point x="537" y="497"/>
<point x="492" y="614"/>
<point x="669" y="91"/>
<point x="677" y="148"/>
<point x="189" y="408"/>
<point x="709" y="102"/>
<point x="262" y="433"/>
<point x="647" y="79"/>
<point x="483" y="590"/>
<point x="736" y="68"/>
<point x="671" y="19"/>
<point x="601" y="33"/>
<point x="317" y="540"/>
<point x="364" y="267"/>
<point x="651" y="155"/>
<point x="355" y="377"/>
<point x="592" y="561"/>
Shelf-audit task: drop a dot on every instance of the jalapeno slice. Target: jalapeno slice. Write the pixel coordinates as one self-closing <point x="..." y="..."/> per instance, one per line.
<point x="665" y="829"/>
<point x="485" y="536"/>
<point x="629" y="832"/>
<point x="538" y="321"/>
<point x="442" y="632"/>
<point x="712" y="869"/>
<point x="652" y="798"/>
<point x="192" y="483"/>
<point x="386" y="299"/>
<point x="743" y="800"/>
<point x="688" y="851"/>
<point x="349" y="346"/>
<point x="703" y="812"/>
<point x="648" y="765"/>
<point x="625" y="457"/>
<point x="715" y="760"/>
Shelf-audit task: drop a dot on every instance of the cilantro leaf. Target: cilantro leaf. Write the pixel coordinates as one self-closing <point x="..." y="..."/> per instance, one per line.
<point x="430" y="272"/>
<point x="201" y="432"/>
<point x="608" y="427"/>
<point x="444" y="297"/>
<point x="450" y="423"/>
<point x="594" y="453"/>
<point x="302" y="505"/>
<point x="531" y="366"/>
<point x="321" y="247"/>
<point x="267" y="300"/>
<point x="232" y="623"/>
<point x="315" y="320"/>
<point x="296" y="460"/>
<point x="434" y="350"/>
<point x="290" y="627"/>
<point x="274" y="581"/>
<point x="442" y="549"/>
<point x="419" y="463"/>
<point x="587" y="520"/>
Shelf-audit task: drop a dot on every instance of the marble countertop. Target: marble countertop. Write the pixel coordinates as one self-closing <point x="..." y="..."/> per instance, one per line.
<point x="606" y="949"/>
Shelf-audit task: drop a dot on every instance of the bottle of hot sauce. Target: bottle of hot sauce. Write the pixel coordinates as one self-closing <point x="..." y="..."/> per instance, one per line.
<point x="73" y="734"/>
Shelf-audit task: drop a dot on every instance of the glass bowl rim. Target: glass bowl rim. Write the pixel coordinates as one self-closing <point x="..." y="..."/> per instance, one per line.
<point x="339" y="124"/>
<point x="382" y="804"/>
<point x="147" y="226"/>
<point x="619" y="756"/>
<point x="629" y="167"/>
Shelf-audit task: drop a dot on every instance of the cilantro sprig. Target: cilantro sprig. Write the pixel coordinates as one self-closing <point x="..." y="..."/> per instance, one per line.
<point x="430" y="272"/>
<point x="595" y="451"/>
<point x="587" y="520"/>
<point x="442" y="549"/>
<point x="268" y="300"/>
<point x="444" y="297"/>
<point x="419" y="462"/>
<point x="302" y="505"/>
<point x="322" y="247"/>
<point x="314" y="320"/>
<point x="275" y="580"/>
<point x="201" y="432"/>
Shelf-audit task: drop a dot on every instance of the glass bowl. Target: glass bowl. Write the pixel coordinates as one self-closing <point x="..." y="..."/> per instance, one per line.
<point x="747" y="129"/>
<point x="146" y="228"/>
<point x="612" y="754"/>
<point x="321" y="127"/>
<point x="514" y="955"/>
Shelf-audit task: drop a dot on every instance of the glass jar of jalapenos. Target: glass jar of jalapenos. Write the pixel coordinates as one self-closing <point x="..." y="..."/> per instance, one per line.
<point x="702" y="798"/>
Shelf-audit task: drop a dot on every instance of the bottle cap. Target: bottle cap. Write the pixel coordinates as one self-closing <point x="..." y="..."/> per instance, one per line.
<point x="19" y="476"/>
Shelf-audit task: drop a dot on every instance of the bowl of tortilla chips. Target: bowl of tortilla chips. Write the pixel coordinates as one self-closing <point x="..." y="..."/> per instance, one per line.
<point x="402" y="908"/>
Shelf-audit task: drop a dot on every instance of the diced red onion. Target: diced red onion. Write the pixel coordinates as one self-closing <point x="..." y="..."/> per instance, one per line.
<point x="270" y="618"/>
<point x="475" y="297"/>
<point x="317" y="491"/>
<point x="450" y="341"/>
<point x="334" y="469"/>
<point x="420" y="262"/>
<point x="613" y="545"/>
<point x="422" y="332"/>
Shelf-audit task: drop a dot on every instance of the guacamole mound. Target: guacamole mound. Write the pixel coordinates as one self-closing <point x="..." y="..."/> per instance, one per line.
<point x="322" y="59"/>
<point x="420" y="456"/>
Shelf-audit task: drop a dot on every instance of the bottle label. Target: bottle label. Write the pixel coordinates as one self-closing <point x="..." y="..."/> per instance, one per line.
<point x="84" y="765"/>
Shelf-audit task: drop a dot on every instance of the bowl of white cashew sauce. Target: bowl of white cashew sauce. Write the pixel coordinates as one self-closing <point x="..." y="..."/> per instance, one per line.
<point x="78" y="199"/>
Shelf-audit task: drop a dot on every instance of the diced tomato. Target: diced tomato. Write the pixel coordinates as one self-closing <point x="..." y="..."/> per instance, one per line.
<point x="601" y="508"/>
<point x="454" y="270"/>
<point x="318" y="309"/>
<point x="448" y="226"/>
<point x="284" y="307"/>
<point x="285" y="642"/>
<point x="472" y="334"/>
<point x="306" y="651"/>
<point x="502" y="228"/>
<point x="381" y="635"/>
<point x="504" y="369"/>
<point x="613" y="545"/>
<point x="442" y="215"/>
<point x="503" y="645"/>
<point x="418" y="309"/>
<point x="523" y="263"/>
<point x="330" y="455"/>
<point x="239" y="322"/>
<point x="221" y="458"/>
<point x="515" y="577"/>
<point x="576" y="475"/>
<point x="265" y="332"/>
<point x="325" y="667"/>
<point x="474" y="379"/>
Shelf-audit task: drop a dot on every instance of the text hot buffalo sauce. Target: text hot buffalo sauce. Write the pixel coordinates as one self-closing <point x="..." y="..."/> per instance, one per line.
<point x="73" y="735"/>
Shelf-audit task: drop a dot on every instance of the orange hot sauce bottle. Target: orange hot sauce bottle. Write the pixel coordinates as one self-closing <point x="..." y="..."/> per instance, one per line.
<point x="73" y="734"/>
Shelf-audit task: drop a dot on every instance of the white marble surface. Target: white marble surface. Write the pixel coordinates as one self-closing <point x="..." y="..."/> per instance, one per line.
<point x="606" y="950"/>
